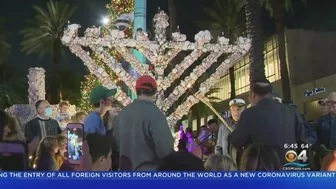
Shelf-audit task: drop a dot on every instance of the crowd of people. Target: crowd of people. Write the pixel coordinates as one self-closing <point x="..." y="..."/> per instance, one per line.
<point x="137" y="137"/>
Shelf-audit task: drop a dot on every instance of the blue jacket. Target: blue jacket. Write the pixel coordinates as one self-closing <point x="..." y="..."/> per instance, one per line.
<point x="311" y="133"/>
<point x="326" y="131"/>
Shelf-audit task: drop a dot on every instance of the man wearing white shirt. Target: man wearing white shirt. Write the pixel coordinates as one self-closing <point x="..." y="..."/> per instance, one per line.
<point x="237" y="106"/>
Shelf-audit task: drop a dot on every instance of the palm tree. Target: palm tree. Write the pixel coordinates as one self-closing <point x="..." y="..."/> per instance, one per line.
<point x="43" y="36"/>
<point x="13" y="85"/>
<point x="70" y="86"/>
<point x="278" y="9"/>
<point x="200" y="110"/>
<point x="4" y="46"/>
<point x="254" y="30"/>
<point x="227" y="18"/>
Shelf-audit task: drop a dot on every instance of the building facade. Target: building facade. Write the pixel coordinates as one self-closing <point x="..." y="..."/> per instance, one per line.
<point x="310" y="58"/>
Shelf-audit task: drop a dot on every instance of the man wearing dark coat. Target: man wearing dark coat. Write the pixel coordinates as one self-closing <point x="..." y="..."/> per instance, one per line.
<point x="43" y="125"/>
<point x="268" y="123"/>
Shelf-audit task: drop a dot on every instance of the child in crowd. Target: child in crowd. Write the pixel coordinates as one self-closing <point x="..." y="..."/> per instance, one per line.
<point x="45" y="156"/>
<point x="63" y="117"/>
<point x="60" y="155"/>
<point x="79" y="117"/>
<point x="219" y="162"/>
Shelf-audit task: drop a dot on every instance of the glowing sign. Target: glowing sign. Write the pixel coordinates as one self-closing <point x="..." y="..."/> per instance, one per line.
<point x="314" y="91"/>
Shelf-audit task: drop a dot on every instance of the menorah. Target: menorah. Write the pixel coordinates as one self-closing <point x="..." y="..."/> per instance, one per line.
<point x="159" y="53"/>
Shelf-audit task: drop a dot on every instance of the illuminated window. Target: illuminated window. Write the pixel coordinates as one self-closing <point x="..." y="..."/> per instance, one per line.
<point x="224" y="88"/>
<point x="271" y="58"/>
<point x="194" y="125"/>
<point x="242" y="76"/>
<point x="202" y="121"/>
<point x="272" y="72"/>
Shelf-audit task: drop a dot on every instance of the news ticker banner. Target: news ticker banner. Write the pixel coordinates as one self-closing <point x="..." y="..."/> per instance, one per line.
<point x="172" y="180"/>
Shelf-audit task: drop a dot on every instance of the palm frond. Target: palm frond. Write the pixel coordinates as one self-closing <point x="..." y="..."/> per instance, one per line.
<point x="12" y="85"/>
<point x="4" y="45"/>
<point x="269" y="5"/>
<point x="226" y="16"/>
<point x="46" y="27"/>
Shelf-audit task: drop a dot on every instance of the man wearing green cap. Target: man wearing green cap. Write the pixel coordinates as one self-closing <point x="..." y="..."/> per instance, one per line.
<point x="102" y="99"/>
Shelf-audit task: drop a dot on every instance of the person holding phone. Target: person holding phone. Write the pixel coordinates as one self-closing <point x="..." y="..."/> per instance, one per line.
<point x="102" y="99"/>
<point x="97" y="154"/>
<point x="109" y="120"/>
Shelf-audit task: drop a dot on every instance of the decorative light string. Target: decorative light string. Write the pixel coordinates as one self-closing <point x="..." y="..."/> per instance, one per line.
<point x="156" y="52"/>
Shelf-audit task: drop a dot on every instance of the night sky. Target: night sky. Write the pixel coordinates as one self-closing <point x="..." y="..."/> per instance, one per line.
<point x="90" y="12"/>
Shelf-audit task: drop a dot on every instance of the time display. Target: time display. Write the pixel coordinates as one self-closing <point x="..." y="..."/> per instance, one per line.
<point x="296" y="146"/>
<point x="291" y="146"/>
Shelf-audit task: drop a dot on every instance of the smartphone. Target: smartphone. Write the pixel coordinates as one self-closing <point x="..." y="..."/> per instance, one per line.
<point x="13" y="156"/>
<point x="75" y="138"/>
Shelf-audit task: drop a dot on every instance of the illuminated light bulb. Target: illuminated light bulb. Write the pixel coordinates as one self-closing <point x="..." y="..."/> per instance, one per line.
<point x="105" y="20"/>
<point x="188" y="85"/>
<point x="34" y="166"/>
<point x="30" y="157"/>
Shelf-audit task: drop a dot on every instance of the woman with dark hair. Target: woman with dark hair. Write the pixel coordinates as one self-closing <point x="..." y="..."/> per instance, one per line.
<point x="260" y="158"/>
<point x="109" y="119"/>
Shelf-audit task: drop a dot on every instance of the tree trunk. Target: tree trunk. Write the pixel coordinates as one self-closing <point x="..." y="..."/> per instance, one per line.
<point x="172" y="17"/>
<point x="206" y="117"/>
<point x="55" y="84"/>
<point x="279" y="14"/>
<point x="254" y="30"/>
<point x="190" y="119"/>
<point x="232" y="82"/>
<point x="198" y="121"/>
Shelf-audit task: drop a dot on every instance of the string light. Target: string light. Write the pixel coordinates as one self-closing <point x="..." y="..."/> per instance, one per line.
<point x="116" y="8"/>
<point x="201" y="45"/>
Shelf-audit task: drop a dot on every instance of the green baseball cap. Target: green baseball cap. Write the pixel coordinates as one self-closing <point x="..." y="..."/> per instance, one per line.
<point x="101" y="93"/>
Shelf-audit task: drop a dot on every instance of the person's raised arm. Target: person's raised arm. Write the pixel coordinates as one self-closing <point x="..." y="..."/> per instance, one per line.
<point x="163" y="138"/>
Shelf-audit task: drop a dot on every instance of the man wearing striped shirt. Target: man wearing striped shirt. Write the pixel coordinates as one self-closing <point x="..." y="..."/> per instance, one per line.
<point x="43" y="125"/>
